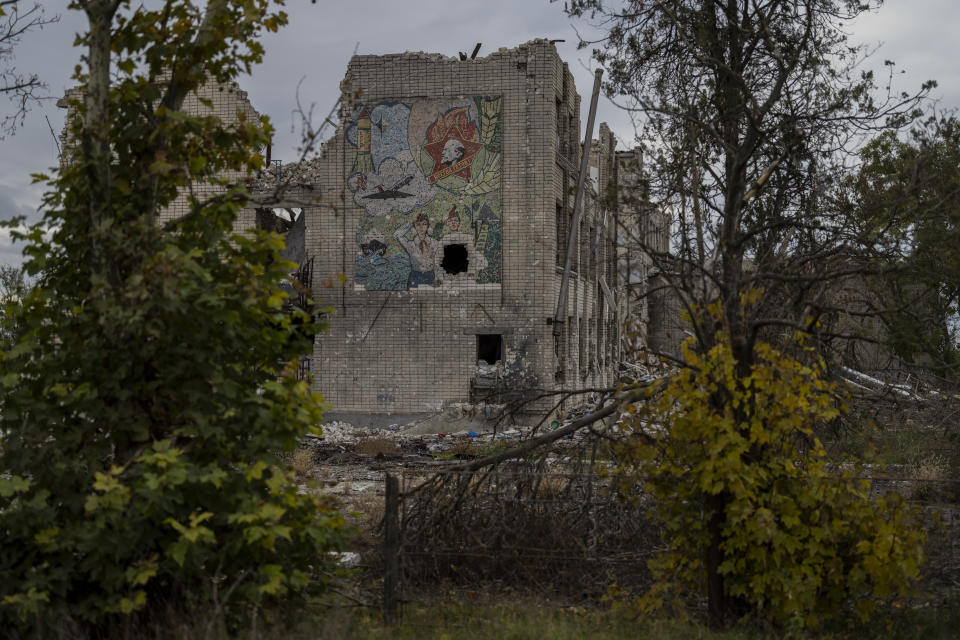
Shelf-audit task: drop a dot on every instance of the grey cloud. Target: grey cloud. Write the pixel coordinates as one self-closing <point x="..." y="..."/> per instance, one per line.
<point x="16" y="200"/>
<point x="10" y="255"/>
<point x="320" y="39"/>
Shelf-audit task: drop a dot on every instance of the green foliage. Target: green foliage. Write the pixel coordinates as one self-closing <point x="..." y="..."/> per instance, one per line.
<point x="13" y="286"/>
<point x="907" y="196"/>
<point x="153" y="379"/>
<point x="737" y="471"/>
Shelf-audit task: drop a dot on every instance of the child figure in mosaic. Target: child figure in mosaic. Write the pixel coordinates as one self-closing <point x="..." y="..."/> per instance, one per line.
<point x="476" y="261"/>
<point x="422" y="249"/>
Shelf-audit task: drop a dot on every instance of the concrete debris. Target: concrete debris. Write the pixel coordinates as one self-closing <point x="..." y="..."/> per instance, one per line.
<point x="409" y="439"/>
<point x="349" y="462"/>
<point x="870" y="383"/>
<point x="487" y="370"/>
<point x="346" y="559"/>
<point x="305" y="173"/>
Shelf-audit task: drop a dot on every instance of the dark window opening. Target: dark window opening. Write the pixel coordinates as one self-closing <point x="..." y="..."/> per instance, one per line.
<point x="277" y="220"/>
<point x="561" y="229"/>
<point x="455" y="259"/>
<point x="489" y="347"/>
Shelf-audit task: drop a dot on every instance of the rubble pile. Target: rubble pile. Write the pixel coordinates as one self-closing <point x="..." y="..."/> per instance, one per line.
<point x="295" y="174"/>
<point x="349" y="461"/>
<point x="341" y="437"/>
<point x="409" y="441"/>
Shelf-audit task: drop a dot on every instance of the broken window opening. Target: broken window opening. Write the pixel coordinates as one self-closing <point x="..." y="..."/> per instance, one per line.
<point x="455" y="259"/>
<point x="489" y="348"/>
<point x="581" y="350"/>
<point x="278" y="220"/>
<point x="561" y="233"/>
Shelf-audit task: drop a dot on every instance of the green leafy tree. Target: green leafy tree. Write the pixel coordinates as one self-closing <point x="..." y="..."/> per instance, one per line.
<point x="907" y="193"/>
<point x="153" y="381"/>
<point x="13" y="286"/>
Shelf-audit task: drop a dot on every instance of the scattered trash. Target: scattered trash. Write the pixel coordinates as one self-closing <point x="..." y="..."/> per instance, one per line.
<point x="393" y="427"/>
<point x="346" y="559"/>
<point x="472" y="434"/>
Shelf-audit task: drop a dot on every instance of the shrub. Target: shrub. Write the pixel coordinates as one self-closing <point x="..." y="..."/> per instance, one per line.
<point x="785" y="536"/>
<point x="153" y="378"/>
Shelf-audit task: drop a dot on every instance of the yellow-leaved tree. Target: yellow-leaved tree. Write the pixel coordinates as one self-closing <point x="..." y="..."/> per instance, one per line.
<point x="751" y="113"/>
<point x="744" y="491"/>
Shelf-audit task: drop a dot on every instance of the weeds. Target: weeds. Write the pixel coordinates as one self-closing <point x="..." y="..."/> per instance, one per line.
<point x="930" y="479"/>
<point x="302" y="463"/>
<point x="377" y="447"/>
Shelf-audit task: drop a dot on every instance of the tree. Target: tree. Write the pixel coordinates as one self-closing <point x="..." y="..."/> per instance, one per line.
<point x="153" y="381"/>
<point x="798" y="542"/>
<point x="752" y="110"/>
<point x="12" y="288"/>
<point x="907" y="192"/>
<point x="15" y="21"/>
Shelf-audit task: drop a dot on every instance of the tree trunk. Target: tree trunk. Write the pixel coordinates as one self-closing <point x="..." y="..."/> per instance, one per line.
<point x="717" y="606"/>
<point x="95" y="134"/>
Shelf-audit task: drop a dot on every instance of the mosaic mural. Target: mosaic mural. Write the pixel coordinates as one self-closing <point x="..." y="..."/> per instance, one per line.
<point x="427" y="175"/>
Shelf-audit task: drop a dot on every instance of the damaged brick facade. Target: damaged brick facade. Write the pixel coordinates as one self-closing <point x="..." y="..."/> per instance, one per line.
<point x="445" y="203"/>
<point x="653" y="309"/>
<point x="435" y="223"/>
<point x="225" y="101"/>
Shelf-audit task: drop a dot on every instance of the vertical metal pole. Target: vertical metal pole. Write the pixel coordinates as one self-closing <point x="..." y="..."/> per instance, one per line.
<point x="391" y="550"/>
<point x="577" y="205"/>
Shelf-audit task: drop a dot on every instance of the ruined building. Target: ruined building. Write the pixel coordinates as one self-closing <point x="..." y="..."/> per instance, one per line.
<point x="435" y="225"/>
<point x="227" y="102"/>
<point x="445" y="202"/>
<point x="643" y="241"/>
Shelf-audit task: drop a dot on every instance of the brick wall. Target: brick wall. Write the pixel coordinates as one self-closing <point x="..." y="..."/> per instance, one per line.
<point x="227" y="101"/>
<point x="397" y="346"/>
<point x="486" y="153"/>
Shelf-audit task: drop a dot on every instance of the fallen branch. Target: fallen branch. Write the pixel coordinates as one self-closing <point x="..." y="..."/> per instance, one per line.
<point x="636" y="395"/>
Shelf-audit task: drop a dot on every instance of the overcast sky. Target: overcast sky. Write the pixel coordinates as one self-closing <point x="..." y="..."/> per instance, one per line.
<point x="919" y="35"/>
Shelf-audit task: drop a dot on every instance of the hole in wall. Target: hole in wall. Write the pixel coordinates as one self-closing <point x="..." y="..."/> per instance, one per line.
<point x="489" y="347"/>
<point x="278" y="220"/>
<point x="455" y="259"/>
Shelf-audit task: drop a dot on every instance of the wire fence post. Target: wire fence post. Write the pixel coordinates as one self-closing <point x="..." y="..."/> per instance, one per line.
<point x="391" y="550"/>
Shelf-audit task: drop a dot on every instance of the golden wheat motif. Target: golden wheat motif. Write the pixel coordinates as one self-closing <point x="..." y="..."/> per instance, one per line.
<point x="488" y="176"/>
<point x="488" y="180"/>
<point x="489" y="116"/>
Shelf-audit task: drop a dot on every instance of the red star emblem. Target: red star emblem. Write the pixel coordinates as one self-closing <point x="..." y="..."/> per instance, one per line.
<point x="453" y="144"/>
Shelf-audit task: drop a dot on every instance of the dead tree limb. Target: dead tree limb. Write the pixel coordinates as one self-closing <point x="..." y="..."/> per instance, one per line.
<point x="635" y="395"/>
